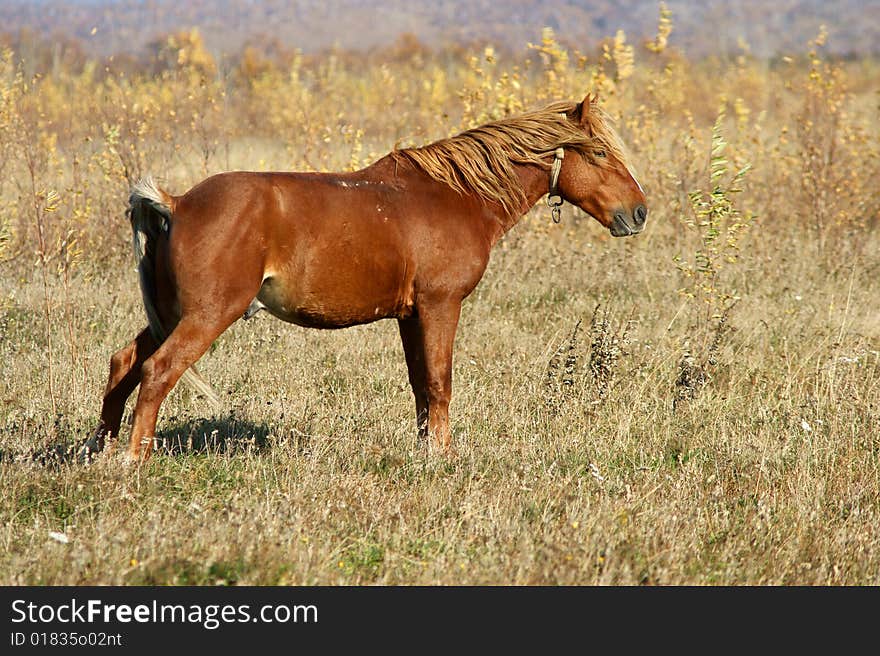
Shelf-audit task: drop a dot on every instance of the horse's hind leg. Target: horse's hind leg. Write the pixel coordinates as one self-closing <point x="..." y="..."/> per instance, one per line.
<point x="125" y="374"/>
<point x="184" y="346"/>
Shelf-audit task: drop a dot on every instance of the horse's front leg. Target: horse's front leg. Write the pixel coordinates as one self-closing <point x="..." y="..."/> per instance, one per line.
<point x="414" y="350"/>
<point x="438" y="320"/>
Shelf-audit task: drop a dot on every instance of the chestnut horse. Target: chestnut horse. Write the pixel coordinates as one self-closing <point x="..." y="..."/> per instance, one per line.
<point x="407" y="238"/>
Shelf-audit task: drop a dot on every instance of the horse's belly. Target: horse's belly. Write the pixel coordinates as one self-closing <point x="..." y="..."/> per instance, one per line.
<point x="334" y="303"/>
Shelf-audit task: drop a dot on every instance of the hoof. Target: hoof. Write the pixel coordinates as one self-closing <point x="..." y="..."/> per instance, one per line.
<point x="91" y="448"/>
<point x="139" y="453"/>
<point x="446" y="450"/>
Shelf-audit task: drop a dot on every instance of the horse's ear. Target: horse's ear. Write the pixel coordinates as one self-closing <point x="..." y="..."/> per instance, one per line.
<point x="584" y="108"/>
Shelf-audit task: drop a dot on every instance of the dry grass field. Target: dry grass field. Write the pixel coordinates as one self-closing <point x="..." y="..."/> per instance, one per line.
<point x="699" y="404"/>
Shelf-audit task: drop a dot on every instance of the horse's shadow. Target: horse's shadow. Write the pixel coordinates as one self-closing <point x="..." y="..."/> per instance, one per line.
<point x="227" y="434"/>
<point x="217" y="435"/>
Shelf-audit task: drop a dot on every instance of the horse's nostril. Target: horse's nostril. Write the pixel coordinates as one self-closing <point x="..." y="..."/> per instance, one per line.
<point x="620" y="217"/>
<point x="640" y="214"/>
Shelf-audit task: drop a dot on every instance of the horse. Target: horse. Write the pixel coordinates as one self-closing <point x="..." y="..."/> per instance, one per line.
<point x="406" y="238"/>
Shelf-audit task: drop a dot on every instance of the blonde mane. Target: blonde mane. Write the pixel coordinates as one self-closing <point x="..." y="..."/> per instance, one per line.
<point x="481" y="160"/>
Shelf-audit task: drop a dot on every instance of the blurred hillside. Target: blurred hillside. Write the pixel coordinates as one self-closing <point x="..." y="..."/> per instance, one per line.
<point x="703" y="27"/>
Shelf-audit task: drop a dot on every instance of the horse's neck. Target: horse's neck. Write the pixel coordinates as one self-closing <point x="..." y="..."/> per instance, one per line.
<point x="535" y="183"/>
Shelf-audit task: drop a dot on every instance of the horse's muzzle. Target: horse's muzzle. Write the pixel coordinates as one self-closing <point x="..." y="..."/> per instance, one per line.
<point x="625" y="224"/>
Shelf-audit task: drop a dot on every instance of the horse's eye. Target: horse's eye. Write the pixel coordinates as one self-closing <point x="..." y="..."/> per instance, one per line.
<point x="600" y="153"/>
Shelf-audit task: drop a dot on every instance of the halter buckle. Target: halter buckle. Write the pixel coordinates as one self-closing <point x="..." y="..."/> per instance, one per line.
<point x="554" y="198"/>
<point x="554" y="202"/>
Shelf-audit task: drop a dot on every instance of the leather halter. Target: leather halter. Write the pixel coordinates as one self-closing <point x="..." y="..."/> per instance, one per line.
<point x="554" y="198"/>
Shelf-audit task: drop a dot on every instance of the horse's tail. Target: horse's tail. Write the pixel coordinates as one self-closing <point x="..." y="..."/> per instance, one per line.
<point x="150" y="212"/>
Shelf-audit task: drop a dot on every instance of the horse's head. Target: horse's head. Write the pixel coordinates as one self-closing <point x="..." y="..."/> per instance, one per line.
<point x="596" y="177"/>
